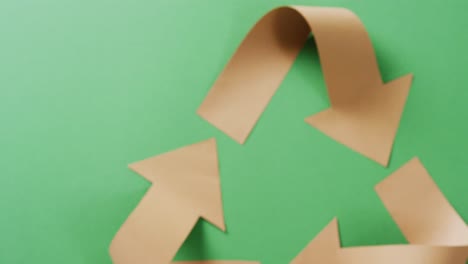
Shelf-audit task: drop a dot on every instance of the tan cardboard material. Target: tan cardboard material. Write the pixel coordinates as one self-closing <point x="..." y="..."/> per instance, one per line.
<point x="186" y="188"/>
<point x="438" y="235"/>
<point x="420" y="209"/>
<point x="364" y="113"/>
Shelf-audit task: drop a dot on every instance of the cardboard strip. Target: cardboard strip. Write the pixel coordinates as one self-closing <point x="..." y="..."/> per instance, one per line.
<point x="217" y="262"/>
<point x="364" y="113"/>
<point x="420" y="209"/>
<point x="436" y="232"/>
<point x="403" y="254"/>
<point x="323" y="248"/>
<point x="155" y="230"/>
<point x="186" y="188"/>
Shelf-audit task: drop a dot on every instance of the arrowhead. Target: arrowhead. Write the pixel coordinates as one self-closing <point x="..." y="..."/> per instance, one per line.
<point x="323" y="248"/>
<point x="368" y="127"/>
<point x="192" y="173"/>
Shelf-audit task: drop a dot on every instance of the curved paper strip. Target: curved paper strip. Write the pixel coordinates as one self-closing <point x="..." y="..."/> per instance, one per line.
<point x="186" y="188"/>
<point x="364" y="113"/>
<point x="325" y="248"/>
<point x="437" y="233"/>
<point x="420" y="209"/>
<point x="403" y="254"/>
<point x="217" y="262"/>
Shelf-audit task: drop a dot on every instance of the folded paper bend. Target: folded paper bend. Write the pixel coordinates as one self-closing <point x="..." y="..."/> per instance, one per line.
<point x="436" y="232"/>
<point x="357" y="93"/>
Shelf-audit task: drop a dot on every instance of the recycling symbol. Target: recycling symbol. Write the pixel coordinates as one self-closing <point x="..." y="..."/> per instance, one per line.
<point x="364" y="115"/>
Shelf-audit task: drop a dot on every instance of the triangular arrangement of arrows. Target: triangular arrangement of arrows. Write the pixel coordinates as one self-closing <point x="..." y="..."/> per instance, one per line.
<point x="364" y="114"/>
<point x="438" y="235"/>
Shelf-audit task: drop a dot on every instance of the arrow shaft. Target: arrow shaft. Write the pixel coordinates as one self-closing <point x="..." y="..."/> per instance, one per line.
<point x="217" y="262"/>
<point x="420" y="209"/>
<point x="155" y="230"/>
<point x="403" y="254"/>
<point x="428" y="221"/>
<point x="244" y="88"/>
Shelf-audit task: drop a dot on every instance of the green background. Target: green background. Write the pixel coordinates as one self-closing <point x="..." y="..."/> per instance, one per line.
<point x="89" y="86"/>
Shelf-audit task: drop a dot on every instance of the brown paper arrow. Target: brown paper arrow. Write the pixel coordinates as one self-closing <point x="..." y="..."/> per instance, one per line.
<point x="420" y="209"/>
<point x="186" y="187"/>
<point x="436" y="232"/>
<point x="217" y="262"/>
<point x="364" y="113"/>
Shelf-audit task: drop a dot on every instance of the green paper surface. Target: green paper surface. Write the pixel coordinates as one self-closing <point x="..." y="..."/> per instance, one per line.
<point x="90" y="86"/>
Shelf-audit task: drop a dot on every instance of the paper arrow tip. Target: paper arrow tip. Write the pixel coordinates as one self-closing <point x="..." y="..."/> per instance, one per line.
<point x="368" y="127"/>
<point x="192" y="173"/>
<point x="322" y="249"/>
